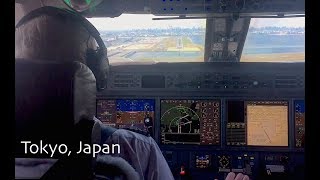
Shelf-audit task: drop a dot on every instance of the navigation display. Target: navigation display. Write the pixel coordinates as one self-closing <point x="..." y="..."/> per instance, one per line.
<point x="299" y="122"/>
<point x="267" y="123"/>
<point x="127" y="113"/>
<point x="190" y="122"/>
<point x="257" y="123"/>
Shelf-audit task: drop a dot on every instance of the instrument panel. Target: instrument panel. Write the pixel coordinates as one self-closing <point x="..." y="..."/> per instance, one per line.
<point x="210" y="119"/>
<point x="199" y="122"/>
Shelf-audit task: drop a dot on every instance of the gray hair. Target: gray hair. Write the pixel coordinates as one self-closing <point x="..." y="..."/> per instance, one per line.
<point x="53" y="39"/>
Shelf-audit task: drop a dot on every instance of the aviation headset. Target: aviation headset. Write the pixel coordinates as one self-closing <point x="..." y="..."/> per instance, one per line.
<point x="96" y="60"/>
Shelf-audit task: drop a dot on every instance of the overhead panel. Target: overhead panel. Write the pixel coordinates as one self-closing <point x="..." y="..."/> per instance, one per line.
<point x="225" y="6"/>
<point x="197" y="7"/>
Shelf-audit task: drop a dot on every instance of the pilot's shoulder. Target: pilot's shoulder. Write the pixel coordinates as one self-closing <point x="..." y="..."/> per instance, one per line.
<point x="139" y="131"/>
<point x="133" y="135"/>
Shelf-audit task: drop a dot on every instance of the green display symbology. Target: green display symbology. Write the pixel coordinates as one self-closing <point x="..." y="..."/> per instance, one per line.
<point x="172" y="112"/>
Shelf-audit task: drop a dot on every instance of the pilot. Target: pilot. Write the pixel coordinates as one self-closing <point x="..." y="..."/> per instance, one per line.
<point x="239" y="176"/>
<point x="49" y="38"/>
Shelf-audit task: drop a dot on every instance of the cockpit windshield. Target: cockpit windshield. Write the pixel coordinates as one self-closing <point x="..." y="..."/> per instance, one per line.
<point x="137" y="39"/>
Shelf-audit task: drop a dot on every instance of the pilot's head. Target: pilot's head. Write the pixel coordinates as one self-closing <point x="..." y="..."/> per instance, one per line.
<point x="53" y="39"/>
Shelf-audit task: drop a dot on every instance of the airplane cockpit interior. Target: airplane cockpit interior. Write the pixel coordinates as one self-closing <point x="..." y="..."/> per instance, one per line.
<point x="218" y="84"/>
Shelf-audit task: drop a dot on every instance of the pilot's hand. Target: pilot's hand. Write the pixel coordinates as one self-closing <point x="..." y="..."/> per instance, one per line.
<point x="240" y="176"/>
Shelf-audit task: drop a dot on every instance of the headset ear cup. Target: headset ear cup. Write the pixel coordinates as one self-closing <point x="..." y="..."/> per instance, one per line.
<point x="92" y="63"/>
<point x="104" y="67"/>
<point x="99" y="66"/>
<point x="102" y="77"/>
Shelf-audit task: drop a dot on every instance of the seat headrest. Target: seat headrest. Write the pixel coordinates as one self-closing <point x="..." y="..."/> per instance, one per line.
<point x="50" y="98"/>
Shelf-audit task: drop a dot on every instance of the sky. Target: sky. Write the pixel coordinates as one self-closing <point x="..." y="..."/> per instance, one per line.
<point x="289" y="22"/>
<point x="144" y="21"/>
